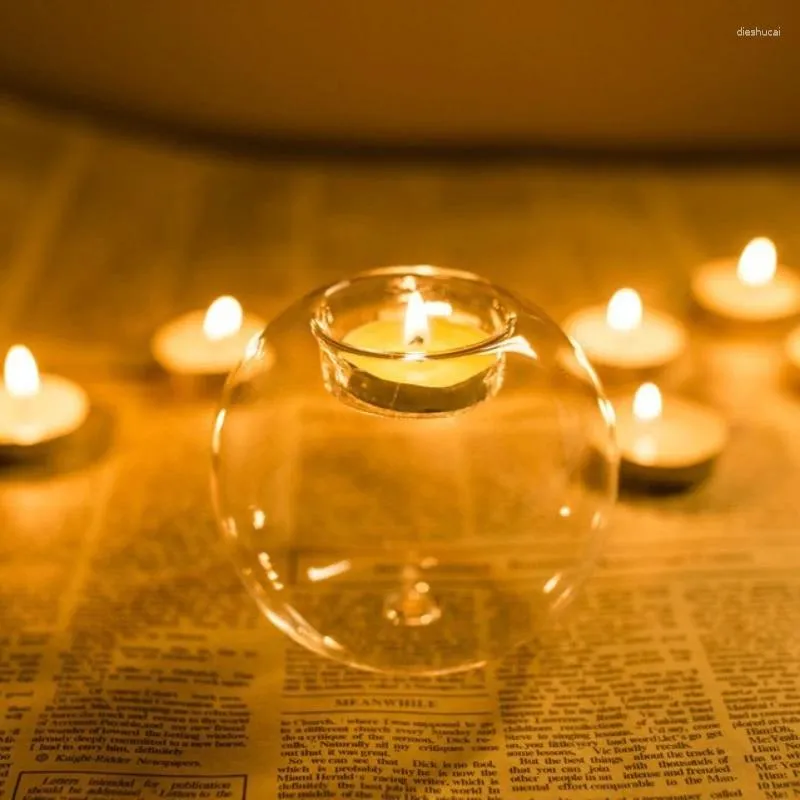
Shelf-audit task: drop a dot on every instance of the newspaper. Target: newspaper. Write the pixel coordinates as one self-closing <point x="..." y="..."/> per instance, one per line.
<point x="133" y="665"/>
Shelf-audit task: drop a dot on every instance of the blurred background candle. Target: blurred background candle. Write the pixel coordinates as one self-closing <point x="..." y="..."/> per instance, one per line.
<point x="210" y="342"/>
<point x="666" y="440"/>
<point x="756" y="288"/>
<point x="625" y="335"/>
<point x="36" y="409"/>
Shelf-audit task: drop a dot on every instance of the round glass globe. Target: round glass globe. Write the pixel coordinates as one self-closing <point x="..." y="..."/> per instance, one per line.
<point x="413" y="468"/>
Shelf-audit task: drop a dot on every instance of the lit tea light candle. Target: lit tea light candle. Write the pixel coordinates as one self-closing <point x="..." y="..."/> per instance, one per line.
<point x="418" y="334"/>
<point x="625" y="335"/>
<point x="417" y="361"/>
<point x="756" y="288"/>
<point x="37" y="409"/>
<point x="210" y="342"/>
<point x="667" y="440"/>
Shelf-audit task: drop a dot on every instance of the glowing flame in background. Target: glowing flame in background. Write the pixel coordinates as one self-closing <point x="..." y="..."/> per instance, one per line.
<point x="624" y="311"/>
<point x="223" y="318"/>
<point x="758" y="262"/>
<point x="20" y="373"/>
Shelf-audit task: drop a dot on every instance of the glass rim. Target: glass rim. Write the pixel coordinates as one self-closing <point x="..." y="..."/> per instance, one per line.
<point x="421" y="270"/>
<point x="491" y="344"/>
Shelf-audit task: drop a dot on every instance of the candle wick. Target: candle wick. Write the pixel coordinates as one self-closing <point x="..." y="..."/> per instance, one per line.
<point x="417" y="341"/>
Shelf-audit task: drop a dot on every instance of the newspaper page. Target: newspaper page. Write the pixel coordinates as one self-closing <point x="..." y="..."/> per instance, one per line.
<point x="133" y="665"/>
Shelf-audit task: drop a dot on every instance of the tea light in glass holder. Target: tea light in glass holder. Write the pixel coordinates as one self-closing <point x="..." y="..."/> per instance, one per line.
<point x="756" y="288"/>
<point x="667" y="440"/>
<point x="418" y="333"/>
<point x="625" y="335"/>
<point x="34" y="409"/>
<point x="393" y="361"/>
<point x="416" y="373"/>
<point x="210" y="342"/>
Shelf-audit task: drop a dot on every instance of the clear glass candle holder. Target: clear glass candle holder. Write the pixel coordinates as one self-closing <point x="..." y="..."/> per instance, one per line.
<point x="413" y="469"/>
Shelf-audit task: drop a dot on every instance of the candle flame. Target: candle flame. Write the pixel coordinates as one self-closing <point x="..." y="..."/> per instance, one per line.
<point x="624" y="312"/>
<point x="647" y="403"/>
<point x="223" y="318"/>
<point x="758" y="262"/>
<point x="415" y="325"/>
<point x="20" y="374"/>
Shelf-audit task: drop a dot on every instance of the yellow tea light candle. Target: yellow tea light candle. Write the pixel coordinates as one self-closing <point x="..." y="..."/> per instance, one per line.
<point x="625" y="335"/>
<point x="756" y="288"/>
<point x="387" y="363"/>
<point x="36" y="409"/>
<point x="412" y="337"/>
<point x="210" y="342"/>
<point x="667" y="440"/>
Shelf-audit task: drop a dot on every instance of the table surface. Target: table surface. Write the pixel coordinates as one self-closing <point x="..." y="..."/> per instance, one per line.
<point x="103" y="237"/>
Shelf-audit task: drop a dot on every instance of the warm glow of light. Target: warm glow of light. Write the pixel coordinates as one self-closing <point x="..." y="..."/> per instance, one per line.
<point x="223" y="318"/>
<point x="552" y="583"/>
<point x="415" y="324"/>
<point x="645" y="448"/>
<point x="252" y="347"/>
<point x="624" y="312"/>
<point x="330" y="571"/>
<point x="518" y="344"/>
<point x="564" y="511"/>
<point x="438" y="308"/>
<point x="20" y="374"/>
<point x="264" y="560"/>
<point x="647" y="403"/>
<point x="216" y="433"/>
<point x="758" y="262"/>
<point x="607" y="411"/>
<point x="259" y="519"/>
